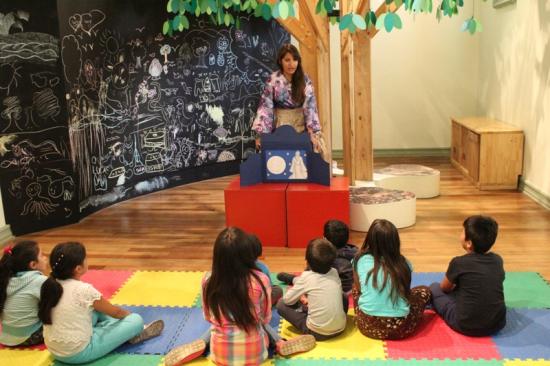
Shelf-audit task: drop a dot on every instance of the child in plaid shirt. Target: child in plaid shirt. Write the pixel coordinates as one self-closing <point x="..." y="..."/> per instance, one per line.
<point x="237" y="302"/>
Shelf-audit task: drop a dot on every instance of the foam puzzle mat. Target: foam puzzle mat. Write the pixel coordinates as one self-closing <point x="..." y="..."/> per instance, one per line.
<point x="175" y="298"/>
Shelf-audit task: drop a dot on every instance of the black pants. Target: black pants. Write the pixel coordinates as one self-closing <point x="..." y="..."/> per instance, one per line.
<point x="445" y="305"/>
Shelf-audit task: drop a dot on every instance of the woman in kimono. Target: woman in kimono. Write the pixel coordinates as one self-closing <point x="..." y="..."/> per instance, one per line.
<point x="288" y="99"/>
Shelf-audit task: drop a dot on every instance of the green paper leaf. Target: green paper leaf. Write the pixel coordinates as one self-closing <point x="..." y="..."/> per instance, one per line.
<point x="479" y="26"/>
<point x="472" y="26"/>
<point x="397" y="21"/>
<point x="464" y="26"/>
<point x="380" y="21"/>
<point x="266" y="11"/>
<point x="359" y="21"/>
<point x="166" y="27"/>
<point x="176" y="22"/>
<point x="284" y="9"/>
<point x="398" y="3"/>
<point x="345" y="21"/>
<point x="388" y="22"/>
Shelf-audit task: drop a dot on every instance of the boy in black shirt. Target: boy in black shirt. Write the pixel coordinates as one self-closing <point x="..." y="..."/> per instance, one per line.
<point x="471" y="298"/>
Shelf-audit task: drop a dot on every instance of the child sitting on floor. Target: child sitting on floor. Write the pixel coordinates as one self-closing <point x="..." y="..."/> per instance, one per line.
<point x="21" y="276"/>
<point x="276" y="291"/>
<point x="471" y="297"/>
<point x="237" y="302"/>
<point x="385" y="305"/>
<point x="314" y="303"/>
<point x="79" y="324"/>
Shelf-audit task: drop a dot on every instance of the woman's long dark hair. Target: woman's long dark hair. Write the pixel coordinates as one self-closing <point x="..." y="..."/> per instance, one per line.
<point x="63" y="261"/>
<point x="382" y="242"/>
<point x="298" y="78"/>
<point x="15" y="259"/>
<point x="227" y="290"/>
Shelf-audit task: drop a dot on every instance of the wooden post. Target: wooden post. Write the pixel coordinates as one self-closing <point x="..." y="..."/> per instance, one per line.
<point x="347" y="100"/>
<point x="362" y="124"/>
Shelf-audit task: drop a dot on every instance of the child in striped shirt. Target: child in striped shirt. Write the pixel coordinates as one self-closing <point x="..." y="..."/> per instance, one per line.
<point x="21" y="276"/>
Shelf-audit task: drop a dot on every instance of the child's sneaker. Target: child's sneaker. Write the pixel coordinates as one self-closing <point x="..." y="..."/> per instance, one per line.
<point x="150" y="330"/>
<point x="185" y="353"/>
<point x="298" y="344"/>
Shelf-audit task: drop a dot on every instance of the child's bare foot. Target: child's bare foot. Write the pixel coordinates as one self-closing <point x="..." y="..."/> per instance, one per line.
<point x="298" y="344"/>
<point x="185" y="353"/>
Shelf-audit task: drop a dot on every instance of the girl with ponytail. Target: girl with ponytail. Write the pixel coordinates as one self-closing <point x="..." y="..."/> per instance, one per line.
<point x="21" y="276"/>
<point x="79" y="324"/>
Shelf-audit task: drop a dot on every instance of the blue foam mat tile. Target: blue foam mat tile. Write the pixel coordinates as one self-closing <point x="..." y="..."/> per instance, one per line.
<point x="426" y="278"/>
<point x="173" y="320"/>
<point x="526" y="334"/>
<point x="192" y="328"/>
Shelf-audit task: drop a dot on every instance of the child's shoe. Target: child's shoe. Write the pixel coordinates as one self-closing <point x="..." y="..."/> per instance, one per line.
<point x="298" y="344"/>
<point x="185" y="353"/>
<point x="150" y="330"/>
<point x="285" y="277"/>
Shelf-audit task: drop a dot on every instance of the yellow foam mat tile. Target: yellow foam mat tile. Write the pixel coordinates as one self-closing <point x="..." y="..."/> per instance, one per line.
<point x="205" y="361"/>
<point x="349" y="345"/>
<point x="147" y="288"/>
<point x="25" y="357"/>
<point x="526" y="363"/>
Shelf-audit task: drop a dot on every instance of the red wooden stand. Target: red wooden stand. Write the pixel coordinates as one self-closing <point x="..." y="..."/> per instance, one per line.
<point x="309" y="206"/>
<point x="258" y="209"/>
<point x="282" y="214"/>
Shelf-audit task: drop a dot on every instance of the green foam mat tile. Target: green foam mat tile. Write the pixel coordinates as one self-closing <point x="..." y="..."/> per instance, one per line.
<point x="121" y="359"/>
<point x="526" y="290"/>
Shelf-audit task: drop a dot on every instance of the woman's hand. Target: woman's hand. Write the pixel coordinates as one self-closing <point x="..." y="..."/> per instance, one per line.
<point x="258" y="144"/>
<point x="315" y="141"/>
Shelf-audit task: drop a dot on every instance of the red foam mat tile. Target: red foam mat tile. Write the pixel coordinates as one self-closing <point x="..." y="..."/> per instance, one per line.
<point x="107" y="282"/>
<point x="436" y="340"/>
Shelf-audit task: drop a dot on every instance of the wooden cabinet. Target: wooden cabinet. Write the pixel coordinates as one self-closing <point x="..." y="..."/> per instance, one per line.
<point x="488" y="152"/>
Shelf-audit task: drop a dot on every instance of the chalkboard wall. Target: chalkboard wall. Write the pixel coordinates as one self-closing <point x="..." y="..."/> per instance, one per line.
<point x="36" y="175"/>
<point x="141" y="111"/>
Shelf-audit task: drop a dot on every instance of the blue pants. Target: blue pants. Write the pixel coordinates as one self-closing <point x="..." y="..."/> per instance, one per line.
<point x="108" y="334"/>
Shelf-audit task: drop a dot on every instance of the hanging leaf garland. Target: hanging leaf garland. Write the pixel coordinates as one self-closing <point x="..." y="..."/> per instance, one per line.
<point x="226" y="13"/>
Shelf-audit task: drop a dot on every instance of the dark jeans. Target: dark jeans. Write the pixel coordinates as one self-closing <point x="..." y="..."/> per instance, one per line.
<point x="445" y="305"/>
<point x="297" y="316"/>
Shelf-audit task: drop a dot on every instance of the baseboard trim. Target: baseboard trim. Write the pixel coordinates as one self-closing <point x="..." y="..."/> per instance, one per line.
<point x="5" y="235"/>
<point x="534" y="193"/>
<point x="381" y="153"/>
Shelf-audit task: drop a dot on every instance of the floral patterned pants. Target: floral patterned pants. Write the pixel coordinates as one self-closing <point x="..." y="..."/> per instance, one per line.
<point x="382" y="327"/>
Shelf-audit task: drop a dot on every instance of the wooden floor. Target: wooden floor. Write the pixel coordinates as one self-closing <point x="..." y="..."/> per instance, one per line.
<point x="174" y="229"/>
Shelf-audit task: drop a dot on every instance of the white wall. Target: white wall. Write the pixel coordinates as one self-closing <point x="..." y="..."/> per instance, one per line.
<point x="514" y="78"/>
<point x="421" y="75"/>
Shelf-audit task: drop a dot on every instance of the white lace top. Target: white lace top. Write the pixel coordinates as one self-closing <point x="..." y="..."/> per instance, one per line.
<point x="71" y="328"/>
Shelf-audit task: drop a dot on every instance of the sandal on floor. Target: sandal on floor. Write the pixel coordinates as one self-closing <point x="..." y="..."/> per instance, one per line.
<point x="150" y="330"/>
<point x="185" y="353"/>
<point x="298" y="344"/>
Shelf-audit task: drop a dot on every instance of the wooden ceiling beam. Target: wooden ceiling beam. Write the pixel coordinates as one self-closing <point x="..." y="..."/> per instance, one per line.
<point x="318" y="24"/>
<point x="300" y="30"/>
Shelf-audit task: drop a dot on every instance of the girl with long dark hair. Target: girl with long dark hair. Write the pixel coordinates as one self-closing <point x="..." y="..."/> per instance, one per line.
<point x="21" y="276"/>
<point x="385" y="305"/>
<point x="289" y="99"/>
<point x="236" y="299"/>
<point x="79" y="324"/>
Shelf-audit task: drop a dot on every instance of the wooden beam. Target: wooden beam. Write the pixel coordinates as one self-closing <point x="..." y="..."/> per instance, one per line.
<point x="318" y="24"/>
<point x="300" y="31"/>
<point x="362" y="122"/>
<point x="347" y="98"/>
